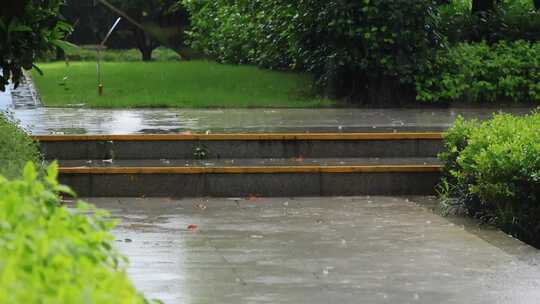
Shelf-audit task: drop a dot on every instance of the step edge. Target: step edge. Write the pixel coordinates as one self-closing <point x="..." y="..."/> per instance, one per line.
<point x="253" y="169"/>
<point x="245" y="137"/>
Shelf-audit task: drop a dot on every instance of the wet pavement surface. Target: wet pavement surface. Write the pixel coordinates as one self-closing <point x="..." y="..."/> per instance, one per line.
<point x="41" y="120"/>
<point x="317" y="250"/>
<point x="300" y="161"/>
<point x="5" y="99"/>
<point x="135" y="121"/>
<point x="26" y="107"/>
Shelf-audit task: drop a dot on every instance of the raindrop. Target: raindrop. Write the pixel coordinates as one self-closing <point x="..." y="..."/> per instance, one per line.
<point x="201" y="206"/>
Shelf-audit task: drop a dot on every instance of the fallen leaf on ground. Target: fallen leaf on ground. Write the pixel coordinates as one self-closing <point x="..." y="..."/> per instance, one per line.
<point x="252" y="198"/>
<point x="299" y="159"/>
<point x="192" y="227"/>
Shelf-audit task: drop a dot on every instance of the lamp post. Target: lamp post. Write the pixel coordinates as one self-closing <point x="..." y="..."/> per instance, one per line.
<point x="99" y="48"/>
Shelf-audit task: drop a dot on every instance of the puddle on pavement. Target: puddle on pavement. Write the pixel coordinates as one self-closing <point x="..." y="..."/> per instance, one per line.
<point x="42" y="120"/>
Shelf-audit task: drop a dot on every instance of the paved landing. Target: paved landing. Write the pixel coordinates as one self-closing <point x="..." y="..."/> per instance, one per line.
<point x="150" y="121"/>
<point x="317" y="250"/>
<point x="5" y="99"/>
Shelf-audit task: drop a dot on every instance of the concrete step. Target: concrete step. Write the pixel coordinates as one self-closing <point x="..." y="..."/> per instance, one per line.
<point x="251" y="177"/>
<point x="239" y="146"/>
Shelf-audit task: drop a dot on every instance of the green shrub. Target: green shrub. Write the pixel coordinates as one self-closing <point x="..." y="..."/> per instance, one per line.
<point x="493" y="168"/>
<point x="51" y="254"/>
<point x="508" y="72"/>
<point x="352" y="47"/>
<point x="16" y="148"/>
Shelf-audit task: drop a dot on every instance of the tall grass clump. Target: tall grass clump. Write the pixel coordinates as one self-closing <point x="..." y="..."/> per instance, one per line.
<point x="16" y="147"/>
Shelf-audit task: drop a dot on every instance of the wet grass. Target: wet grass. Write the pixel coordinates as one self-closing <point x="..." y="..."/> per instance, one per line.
<point x="193" y="84"/>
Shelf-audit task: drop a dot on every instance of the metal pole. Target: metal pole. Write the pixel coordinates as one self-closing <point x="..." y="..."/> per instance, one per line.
<point x="99" y="48"/>
<point x="100" y="83"/>
<point x="110" y="31"/>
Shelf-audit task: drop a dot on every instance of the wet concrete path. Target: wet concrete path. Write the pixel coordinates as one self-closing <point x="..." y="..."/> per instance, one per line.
<point x="135" y="121"/>
<point x="317" y="250"/>
<point x="26" y="107"/>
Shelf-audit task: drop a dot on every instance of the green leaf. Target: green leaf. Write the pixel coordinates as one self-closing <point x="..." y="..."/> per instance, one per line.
<point x="20" y="28"/>
<point x="29" y="172"/>
<point x="40" y="72"/>
<point x="64" y="45"/>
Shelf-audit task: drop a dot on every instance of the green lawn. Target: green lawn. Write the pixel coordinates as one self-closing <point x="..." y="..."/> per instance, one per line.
<point x="193" y="84"/>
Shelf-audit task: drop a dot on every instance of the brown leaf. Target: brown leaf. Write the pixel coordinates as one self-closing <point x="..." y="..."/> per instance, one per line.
<point x="252" y="198"/>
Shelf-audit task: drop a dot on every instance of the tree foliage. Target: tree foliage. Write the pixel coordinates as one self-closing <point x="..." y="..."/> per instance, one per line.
<point x="354" y="48"/>
<point x="28" y="28"/>
<point x="152" y="23"/>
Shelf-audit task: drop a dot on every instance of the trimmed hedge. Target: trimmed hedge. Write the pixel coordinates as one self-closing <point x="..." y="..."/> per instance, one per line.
<point x="51" y="254"/>
<point x="493" y="170"/>
<point x="479" y="73"/>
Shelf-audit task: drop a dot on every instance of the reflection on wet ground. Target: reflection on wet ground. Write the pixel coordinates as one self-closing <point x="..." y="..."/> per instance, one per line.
<point x="131" y="121"/>
<point x="5" y="99"/>
<point x="41" y="120"/>
<point x="317" y="250"/>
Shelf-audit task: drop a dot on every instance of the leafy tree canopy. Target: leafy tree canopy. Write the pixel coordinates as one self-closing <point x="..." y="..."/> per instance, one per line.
<point x="27" y="29"/>
<point x="152" y="22"/>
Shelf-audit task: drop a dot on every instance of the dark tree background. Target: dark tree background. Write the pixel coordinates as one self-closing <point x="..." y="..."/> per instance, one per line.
<point x="28" y="28"/>
<point x="158" y="22"/>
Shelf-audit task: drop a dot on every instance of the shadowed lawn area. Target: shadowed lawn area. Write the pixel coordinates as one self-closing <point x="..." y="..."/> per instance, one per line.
<point x="193" y="84"/>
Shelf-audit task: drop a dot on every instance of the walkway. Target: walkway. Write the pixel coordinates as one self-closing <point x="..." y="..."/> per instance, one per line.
<point x="317" y="250"/>
<point x="94" y="121"/>
<point x="41" y="120"/>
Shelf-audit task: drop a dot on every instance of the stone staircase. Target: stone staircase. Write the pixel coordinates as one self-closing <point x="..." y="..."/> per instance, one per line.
<point x="244" y="165"/>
